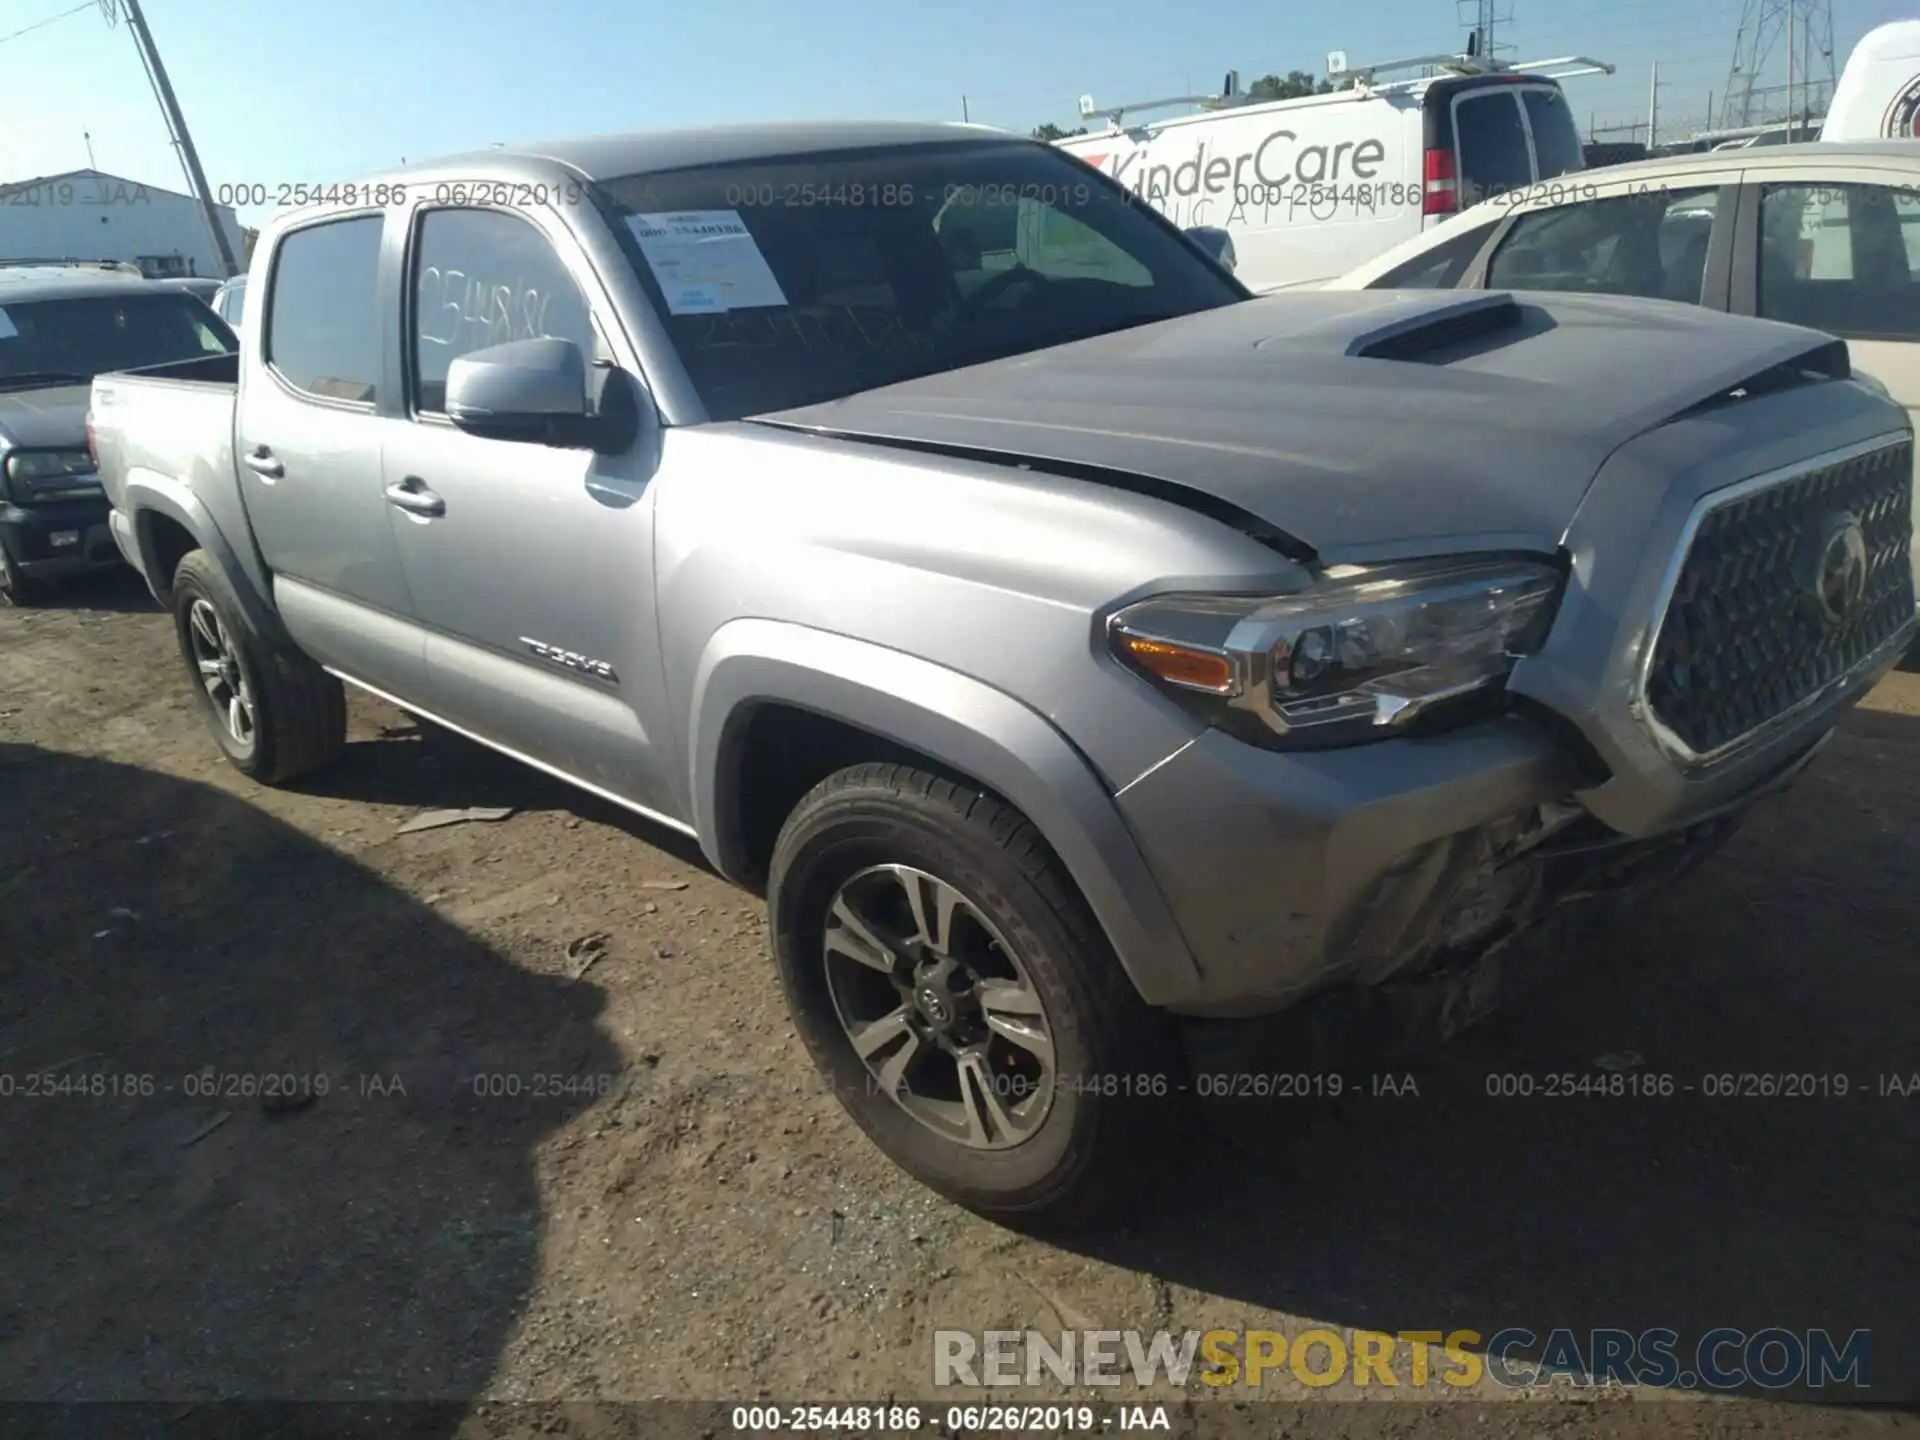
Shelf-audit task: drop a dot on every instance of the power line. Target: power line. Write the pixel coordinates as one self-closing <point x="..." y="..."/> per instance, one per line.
<point x="42" y="24"/>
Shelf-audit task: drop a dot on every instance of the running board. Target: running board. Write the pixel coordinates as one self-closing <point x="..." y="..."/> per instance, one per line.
<point x="612" y="799"/>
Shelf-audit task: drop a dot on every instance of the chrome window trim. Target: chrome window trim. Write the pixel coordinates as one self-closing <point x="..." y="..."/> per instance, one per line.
<point x="1671" y="744"/>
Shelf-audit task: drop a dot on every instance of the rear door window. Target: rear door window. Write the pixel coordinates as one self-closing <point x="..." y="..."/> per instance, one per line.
<point x="1492" y="139"/>
<point x="1840" y="258"/>
<point x="323" y="310"/>
<point x="1556" y="138"/>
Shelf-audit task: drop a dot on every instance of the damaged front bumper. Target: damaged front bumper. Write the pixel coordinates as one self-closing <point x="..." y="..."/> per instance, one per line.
<point x="1417" y="870"/>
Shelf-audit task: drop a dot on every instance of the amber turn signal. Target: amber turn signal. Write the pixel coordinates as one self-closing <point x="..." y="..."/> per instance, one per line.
<point x="1180" y="664"/>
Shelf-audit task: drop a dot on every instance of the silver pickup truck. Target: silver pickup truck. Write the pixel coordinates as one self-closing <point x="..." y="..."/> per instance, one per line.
<point x="1081" y="653"/>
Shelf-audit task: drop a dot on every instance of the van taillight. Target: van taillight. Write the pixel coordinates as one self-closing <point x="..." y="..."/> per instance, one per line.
<point x="1442" y="193"/>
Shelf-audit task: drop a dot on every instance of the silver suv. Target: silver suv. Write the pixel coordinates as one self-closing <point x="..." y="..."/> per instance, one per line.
<point x="1078" y="651"/>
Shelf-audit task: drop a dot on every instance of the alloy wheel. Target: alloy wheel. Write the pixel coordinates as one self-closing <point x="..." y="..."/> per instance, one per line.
<point x="217" y="659"/>
<point x="939" y="1008"/>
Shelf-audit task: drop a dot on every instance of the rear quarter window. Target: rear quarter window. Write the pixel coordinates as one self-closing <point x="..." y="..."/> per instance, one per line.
<point x="1442" y="267"/>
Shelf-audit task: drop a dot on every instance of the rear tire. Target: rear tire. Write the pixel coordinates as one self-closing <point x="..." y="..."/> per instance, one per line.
<point x="274" y="713"/>
<point x="875" y="852"/>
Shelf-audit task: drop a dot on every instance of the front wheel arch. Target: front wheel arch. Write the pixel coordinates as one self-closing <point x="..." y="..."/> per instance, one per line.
<point x="946" y="721"/>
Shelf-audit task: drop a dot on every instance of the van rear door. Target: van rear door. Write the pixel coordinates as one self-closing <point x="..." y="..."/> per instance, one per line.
<point x="1504" y="135"/>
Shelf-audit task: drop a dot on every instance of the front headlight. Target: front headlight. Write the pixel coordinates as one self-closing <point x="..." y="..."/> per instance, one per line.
<point x="1358" y="656"/>
<point x="50" y="475"/>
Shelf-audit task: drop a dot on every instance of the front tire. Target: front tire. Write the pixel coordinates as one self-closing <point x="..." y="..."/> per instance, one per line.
<point x="15" y="589"/>
<point x="274" y="713"/>
<point x="951" y="985"/>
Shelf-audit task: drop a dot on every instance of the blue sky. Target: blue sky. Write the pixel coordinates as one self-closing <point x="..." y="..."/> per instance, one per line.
<point x="277" y="92"/>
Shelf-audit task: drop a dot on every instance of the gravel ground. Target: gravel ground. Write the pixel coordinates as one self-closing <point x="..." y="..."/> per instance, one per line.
<point x="569" y="1148"/>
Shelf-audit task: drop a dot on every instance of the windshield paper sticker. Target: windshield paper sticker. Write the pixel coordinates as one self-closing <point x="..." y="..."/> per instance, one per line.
<point x="706" y="261"/>
<point x="7" y="332"/>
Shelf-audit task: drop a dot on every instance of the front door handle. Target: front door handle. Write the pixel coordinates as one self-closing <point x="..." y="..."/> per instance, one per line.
<point x="260" y="460"/>
<point x="413" y="496"/>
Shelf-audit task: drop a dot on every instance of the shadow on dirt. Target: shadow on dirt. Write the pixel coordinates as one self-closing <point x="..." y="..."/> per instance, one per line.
<point x="183" y="1215"/>
<point x="420" y="763"/>
<point x="119" y="591"/>
<point x="1745" y="1191"/>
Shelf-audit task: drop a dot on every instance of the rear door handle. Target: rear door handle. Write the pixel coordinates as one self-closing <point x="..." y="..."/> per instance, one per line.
<point x="413" y="496"/>
<point x="261" y="462"/>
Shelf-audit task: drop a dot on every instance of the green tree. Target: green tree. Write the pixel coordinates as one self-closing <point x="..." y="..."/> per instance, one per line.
<point x="1288" y="87"/>
<point x="1051" y="132"/>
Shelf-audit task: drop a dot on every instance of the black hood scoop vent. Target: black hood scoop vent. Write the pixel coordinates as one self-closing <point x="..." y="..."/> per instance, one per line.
<point x="1442" y="330"/>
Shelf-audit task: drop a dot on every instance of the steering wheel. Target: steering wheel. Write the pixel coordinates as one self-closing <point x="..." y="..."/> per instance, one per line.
<point x="999" y="284"/>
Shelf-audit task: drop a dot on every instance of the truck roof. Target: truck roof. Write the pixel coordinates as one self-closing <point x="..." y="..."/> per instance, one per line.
<point x="608" y="157"/>
<point x="1826" y="151"/>
<point x="56" y="282"/>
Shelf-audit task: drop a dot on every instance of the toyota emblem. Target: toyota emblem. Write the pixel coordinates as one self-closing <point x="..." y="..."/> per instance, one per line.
<point x="1841" y="577"/>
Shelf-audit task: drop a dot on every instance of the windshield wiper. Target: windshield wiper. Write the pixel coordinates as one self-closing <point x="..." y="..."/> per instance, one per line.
<point x="37" y="379"/>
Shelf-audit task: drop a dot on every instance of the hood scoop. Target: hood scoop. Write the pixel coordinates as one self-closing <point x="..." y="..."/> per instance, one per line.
<point x="1416" y="326"/>
<point x="1472" y="319"/>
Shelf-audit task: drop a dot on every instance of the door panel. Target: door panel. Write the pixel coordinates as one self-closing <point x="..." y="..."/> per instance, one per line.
<point x="533" y="579"/>
<point x="536" y="547"/>
<point x="1840" y="252"/>
<point x="308" y="451"/>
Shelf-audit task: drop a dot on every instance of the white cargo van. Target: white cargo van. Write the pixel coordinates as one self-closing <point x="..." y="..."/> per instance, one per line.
<point x="1309" y="188"/>
<point x="1878" y="94"/>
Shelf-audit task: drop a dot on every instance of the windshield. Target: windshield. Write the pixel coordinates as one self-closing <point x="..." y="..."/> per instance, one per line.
<point x="72" y="340"/>
<point x="786" y="283"/>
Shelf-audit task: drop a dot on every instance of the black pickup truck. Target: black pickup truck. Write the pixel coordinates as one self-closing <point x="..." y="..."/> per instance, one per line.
<point x="60" y="325"/>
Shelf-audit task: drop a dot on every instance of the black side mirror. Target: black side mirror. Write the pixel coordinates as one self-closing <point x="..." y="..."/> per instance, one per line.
<point x="1216" y="242"/>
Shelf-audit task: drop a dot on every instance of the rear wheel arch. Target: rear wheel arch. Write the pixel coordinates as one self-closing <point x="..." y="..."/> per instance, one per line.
<point x="164" y="543"/>
<point x="167" y="531"/>
<point x="830" y="701"/>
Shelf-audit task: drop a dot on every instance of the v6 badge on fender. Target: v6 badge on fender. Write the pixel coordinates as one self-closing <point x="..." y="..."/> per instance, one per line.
<point x="572" y="660"/>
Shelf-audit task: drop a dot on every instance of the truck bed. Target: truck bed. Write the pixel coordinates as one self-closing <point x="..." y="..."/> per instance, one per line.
<point x="200" y="370"/>
<point x="167" y="431"/>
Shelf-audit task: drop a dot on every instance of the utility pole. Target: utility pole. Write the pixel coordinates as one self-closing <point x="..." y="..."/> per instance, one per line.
<point x="1653" y="107"/>
<point x="177" y="127"/>
<point x="965" y="119"/>
<point x="87" y="136"/>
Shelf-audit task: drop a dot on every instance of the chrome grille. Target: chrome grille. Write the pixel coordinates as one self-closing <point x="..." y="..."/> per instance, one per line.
<point x="1746" y="635"/>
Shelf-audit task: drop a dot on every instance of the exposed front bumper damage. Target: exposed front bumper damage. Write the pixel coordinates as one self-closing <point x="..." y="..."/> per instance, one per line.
<point x="1428" y="931"/>
<point x="1422" y="869"/>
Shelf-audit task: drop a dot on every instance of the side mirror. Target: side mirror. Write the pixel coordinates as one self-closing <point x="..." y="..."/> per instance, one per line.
<point x="963" y="251"/>
<point x="1216" y="242"/>
<point x="526" y="390"/>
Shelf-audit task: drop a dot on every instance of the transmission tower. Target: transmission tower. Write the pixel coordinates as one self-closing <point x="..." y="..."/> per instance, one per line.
<point x="1782" y="63"/>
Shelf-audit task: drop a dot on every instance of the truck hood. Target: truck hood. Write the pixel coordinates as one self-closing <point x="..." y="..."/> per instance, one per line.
<point x="44" y="417"/>
<point x="1355" y="424"/>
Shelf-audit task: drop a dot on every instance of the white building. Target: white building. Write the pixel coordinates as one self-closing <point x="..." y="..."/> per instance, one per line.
<point x="88" y="215"/>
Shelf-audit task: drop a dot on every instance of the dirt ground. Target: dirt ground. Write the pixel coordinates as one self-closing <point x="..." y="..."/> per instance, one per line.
<point x="569" y="1148"/>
